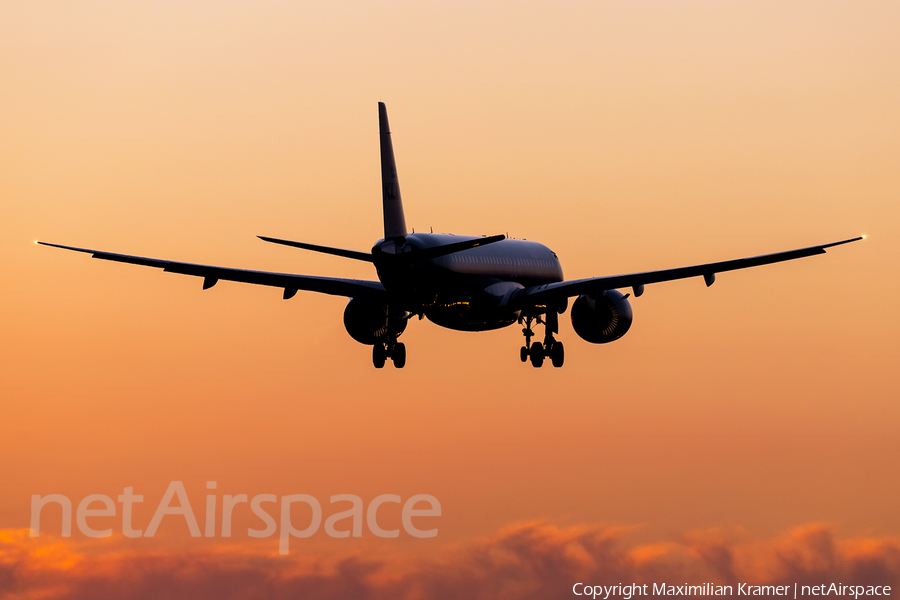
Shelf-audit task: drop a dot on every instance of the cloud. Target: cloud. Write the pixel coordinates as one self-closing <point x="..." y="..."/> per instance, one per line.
<point x="528" y="561"/>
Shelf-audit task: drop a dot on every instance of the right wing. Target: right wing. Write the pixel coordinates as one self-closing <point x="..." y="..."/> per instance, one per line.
<point x="351" y="288"/>
<point x="543" y="294"/>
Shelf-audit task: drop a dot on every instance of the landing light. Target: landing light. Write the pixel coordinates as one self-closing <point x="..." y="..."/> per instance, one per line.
<point x="863" y="236"/>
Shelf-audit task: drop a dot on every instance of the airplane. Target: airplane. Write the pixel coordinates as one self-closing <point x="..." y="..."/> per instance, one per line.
<point x="465" y="283"/>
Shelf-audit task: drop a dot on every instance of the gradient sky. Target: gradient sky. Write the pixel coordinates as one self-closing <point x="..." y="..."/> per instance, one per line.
<point x="624" y="135"/>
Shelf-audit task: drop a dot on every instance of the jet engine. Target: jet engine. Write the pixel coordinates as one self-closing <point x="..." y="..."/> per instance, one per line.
<point x="367" y="322"/>
<point x="602" y="318"/>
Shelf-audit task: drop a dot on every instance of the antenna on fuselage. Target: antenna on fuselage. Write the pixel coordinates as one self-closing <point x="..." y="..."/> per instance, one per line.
<point x="394" y="221"/>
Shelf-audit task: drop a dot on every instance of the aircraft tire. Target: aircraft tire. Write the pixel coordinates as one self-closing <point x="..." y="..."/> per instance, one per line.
<point x="557" y="354"/>
<point x="399" y="355"/>
<point x="537" y="354"/>
<point x="378" y="355"/>
<point x="523" y="354"/>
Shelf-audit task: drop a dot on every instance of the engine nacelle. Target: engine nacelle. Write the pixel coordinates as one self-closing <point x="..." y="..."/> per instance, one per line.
<point x="367" y="322"/>
<point x="601" y="319"/>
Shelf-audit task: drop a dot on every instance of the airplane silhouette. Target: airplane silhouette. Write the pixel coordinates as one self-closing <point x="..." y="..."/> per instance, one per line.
<point x="465" y="283"/>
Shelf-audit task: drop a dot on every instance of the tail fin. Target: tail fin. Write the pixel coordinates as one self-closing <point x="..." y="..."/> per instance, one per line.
<point x="394" y="221"/>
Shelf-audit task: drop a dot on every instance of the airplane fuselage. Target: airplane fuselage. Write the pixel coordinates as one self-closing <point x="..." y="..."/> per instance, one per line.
<point x="466" y="290"/>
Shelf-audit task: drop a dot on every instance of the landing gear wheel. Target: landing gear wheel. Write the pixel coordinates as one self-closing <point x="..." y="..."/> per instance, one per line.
<point x="399" y="355"/>
<point x="537" y="354"/>
<point x="523" y="354"/>
<point x="379" y="354"/>
<point x="557" y="354"/>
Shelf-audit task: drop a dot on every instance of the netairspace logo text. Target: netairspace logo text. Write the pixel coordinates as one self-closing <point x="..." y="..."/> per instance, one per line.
<point x="285" y="527"/>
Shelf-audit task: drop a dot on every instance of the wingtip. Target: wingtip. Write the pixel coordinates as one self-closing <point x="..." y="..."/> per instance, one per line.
<point x="49" y="245"/>
<point x="842" y="242"/>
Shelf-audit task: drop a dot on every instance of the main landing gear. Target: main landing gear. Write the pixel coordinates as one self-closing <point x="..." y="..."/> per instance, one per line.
<point x="396" y="351"/>
<point x="550" y="348"/>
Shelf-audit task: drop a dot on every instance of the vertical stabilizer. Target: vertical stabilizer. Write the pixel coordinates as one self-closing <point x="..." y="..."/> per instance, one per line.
<point x="394" y="221"/>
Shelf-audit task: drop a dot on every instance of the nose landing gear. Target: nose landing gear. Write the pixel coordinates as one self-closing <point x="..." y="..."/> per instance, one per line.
<point x="525" y="351"/>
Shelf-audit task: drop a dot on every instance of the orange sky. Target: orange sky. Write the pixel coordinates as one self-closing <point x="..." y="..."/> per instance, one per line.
<point x="624" y="135"/>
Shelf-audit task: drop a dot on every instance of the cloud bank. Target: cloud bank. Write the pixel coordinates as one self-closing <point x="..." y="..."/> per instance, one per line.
<point x="528" y="561"/>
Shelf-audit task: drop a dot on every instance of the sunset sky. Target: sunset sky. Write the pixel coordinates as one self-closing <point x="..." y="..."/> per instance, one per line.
<point x="759" y="415"/>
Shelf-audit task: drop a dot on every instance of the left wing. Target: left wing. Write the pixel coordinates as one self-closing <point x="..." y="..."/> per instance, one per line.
<point x="351" y="288"/>
<point x="543" y="294"/>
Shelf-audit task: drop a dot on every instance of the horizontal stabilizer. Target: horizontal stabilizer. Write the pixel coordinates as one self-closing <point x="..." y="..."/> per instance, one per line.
<point x="429" y="253"/>
<point x="411" y="254"/>
<point x="323" y="249"/>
